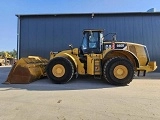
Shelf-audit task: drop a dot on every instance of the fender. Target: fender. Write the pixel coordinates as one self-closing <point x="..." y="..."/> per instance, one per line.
<point x="69" y="56"/>
<point x="79" y="67"/>
<point x="122" y="53"/>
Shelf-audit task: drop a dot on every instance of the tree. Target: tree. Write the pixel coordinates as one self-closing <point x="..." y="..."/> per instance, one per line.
<point x="4" y="54"/>
<point x="13" y="53"/>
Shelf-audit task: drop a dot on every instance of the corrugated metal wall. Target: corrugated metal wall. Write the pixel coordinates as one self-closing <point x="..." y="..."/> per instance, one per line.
<point x="40" y="34"/>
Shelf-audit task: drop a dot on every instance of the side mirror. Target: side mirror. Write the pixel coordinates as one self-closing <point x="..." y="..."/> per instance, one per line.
<point x="71" y="46"/>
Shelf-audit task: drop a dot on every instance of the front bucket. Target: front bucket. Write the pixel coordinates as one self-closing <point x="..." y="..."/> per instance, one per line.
<point x="27" y="70"/>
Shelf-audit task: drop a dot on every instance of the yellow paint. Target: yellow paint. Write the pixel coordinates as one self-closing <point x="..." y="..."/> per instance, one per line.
<point x="58" y="70"/>
<point x="139" y="52"/>
<point x="148" y="68"/>
<point x="120" y="72"/>
<point x="91" y="65"/>
<point x="75" y="58"/>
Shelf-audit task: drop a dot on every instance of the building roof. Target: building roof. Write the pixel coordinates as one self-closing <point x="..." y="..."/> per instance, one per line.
<point x="92" y="14"/>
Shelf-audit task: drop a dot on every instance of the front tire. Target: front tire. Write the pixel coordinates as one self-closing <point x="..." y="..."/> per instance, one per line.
<point x="60" y="70"/>
<point x="118" y="71"/>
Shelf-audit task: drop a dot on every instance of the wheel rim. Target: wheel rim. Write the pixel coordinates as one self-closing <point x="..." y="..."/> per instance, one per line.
<point x="58" y="70"/>
<point x="120" y="72"/>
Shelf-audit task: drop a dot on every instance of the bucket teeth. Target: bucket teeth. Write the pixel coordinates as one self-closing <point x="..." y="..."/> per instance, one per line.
<point x="27" y="70"/>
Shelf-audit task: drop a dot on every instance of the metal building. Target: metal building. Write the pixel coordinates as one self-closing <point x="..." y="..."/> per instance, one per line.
<point x="41" y="33"/>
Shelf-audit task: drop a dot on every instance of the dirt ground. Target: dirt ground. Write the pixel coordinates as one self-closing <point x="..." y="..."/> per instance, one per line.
<point x="81" y="99"/>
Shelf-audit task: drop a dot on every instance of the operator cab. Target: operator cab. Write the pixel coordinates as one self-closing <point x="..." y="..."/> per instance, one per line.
<point x="92" y="41"/>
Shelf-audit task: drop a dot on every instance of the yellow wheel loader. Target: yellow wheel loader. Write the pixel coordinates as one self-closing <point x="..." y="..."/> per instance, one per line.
<point x="116" y="62"/>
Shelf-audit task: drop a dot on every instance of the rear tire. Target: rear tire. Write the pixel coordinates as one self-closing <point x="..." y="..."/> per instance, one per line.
<point x="118" y="71"/>
<point x="60" y="70"/>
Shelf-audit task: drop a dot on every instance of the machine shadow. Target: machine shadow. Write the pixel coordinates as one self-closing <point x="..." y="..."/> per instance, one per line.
<point x="81" y="83"/>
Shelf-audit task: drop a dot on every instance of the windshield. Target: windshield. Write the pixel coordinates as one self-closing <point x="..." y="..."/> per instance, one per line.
<point x="93" y="39"/>
<point x="90" y="41"/>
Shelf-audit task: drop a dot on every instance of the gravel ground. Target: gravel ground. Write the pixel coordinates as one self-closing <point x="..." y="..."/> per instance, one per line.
<point x="81" y="99"/>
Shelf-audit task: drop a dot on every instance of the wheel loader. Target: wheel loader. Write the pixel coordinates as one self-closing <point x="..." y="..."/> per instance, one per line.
<point x="115" y="62"/>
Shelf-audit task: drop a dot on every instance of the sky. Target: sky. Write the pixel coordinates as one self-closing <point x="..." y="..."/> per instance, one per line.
<point x="9" y="8"/>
